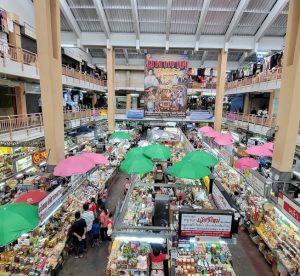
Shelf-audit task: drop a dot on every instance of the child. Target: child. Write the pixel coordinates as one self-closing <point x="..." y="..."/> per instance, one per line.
<point x="96" y="231"/>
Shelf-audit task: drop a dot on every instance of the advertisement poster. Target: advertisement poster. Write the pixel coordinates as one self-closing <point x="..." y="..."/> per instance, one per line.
<point x="206" y="225"/>
<point x="165" y="84"/>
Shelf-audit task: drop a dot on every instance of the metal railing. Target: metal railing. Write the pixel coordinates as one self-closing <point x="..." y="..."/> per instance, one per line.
<point x="259" y="78"/>
<point x="8" y="51"/>
<point x="12" y="123"/>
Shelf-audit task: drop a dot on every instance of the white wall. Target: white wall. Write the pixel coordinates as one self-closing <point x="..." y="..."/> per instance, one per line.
<point x="23" y="8"/>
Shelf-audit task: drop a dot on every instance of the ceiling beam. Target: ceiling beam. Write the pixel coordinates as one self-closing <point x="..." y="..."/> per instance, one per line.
<point x="126" y="55"/>
<point x="103" y="20"/>
<point x="201" y="22"/>
<point x="203" y="57"/>
<point x="135" y="16"/>
<point x="65" y="9"/>
<point x="168" y="23"/>
<point x="276" y="10"/>
<point x="236" y="18"/>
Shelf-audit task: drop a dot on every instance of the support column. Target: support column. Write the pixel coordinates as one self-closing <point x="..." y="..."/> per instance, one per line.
<point x="289" y="98"/>
<point x="271" y="103"/>
<point x="222" y="63"/>
<point x="47" y="18"/>
<point x="128" y="79"/>
<point x="21" y="100"/>
<point x="128" y="102"/>
<point x="94" y="100"/>
<point x="247" y="104"/>
<point x="15" y="40"/>
<point x="111" y="101"/>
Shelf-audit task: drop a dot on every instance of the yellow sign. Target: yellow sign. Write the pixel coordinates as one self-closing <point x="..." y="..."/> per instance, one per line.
<point x="6" y="150"/>
<point x="103" y="112"/>
<point x="206" y="183"/>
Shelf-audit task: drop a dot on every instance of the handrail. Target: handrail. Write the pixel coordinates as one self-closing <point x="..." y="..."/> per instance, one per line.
<point x="9" y="124"/>
<point x="270" y="75"/>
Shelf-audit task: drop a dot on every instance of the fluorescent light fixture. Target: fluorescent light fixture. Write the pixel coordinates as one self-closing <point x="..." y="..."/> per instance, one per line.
<point x="68" y="45"/>
<point x="43" y="163"/>
<point x="142" y="239"/>
<point x="262" y="53"/>
<point x="20" y="175"/>
<point x="134" y="95"/>
<point x="50" y="215"/>
<point x="29" y="170"/>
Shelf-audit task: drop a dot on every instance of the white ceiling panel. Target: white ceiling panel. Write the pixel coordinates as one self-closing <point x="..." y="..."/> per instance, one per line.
<point x="246" y="30"/>
<point x="82" y="3"/>
<point x="116" y="4"/>
<point x="119" y="27"/>
<point x="224" y="4"/>
<point x="89" y="26"/>
<point x="260" y="5"/>
<point x="218" y="17"/>
<point x="85" y="14"/>
<point x="214" y="29"/>
<point x="183" y="28"/>
<point x="152" y="15"/>
<point x="153" y="27"/>
<point x="252" y="19"/>
<point x="64" y="26"/>
<point x="187" y="4"/>
<point x="276" y="31"/>
<point x="185" y="16"/>
<point x="151" y="4"/>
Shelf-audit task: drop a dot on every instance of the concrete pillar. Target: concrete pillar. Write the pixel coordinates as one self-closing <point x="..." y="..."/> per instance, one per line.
<point x="247" y="104"/>
<point x="15" y="40"/>
<point x="222" y="62"/>
<point x="271" y="103"/>
<point x="110" y="57"/>
<point x="128" y="79"/>
<point x="47" y="18"/>
<point x="289" y="98"/>
<point x="21" y="99"/>
<point x="94" y="100"/>
<point x="128" y="102"/>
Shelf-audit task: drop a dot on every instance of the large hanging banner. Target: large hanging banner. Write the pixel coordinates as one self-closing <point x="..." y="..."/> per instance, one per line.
<point x="165" y="84"/>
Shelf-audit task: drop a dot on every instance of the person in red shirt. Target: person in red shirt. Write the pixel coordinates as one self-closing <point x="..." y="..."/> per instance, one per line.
<point x="93" y="207"/>
<point x="157" y="262"/>
<point x="103" y="223"/>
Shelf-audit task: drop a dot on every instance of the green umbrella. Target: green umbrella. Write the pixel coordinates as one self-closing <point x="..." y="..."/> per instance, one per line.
<point x="188" y="170"/>
<point x="201" y="158"/>
<point x="16" y="219"/>
<point x="157" y="151"/>
<point x="120" y="135"/>
<point x="134" y="152"/>
<point x="137" y="165"/>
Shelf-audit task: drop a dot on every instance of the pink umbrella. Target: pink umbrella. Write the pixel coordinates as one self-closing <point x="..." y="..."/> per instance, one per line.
<point x="205" y="129"/>
<point x="212" y="134"/>
<point x="228" y="135"/>
<point x="223" y="141"/>
<point x="246" y="163"/>
<point x="259" y="151"/>
<point x="96" y="158"/>
<point x="269" y="146"/>
<point x="73" y="165"/>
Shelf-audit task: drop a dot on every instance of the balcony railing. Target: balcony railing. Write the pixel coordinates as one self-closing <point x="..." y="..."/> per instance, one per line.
<point x="10" y="124"/>
<point x="259" y="78"/>
<point x="8" y="51"/>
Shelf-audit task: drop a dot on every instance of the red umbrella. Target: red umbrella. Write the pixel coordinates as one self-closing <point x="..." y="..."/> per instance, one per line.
<point x="31" y="197"/>
<point x="205" y="129"/>
<point x="97" y="158"/>
<point x="246" y="163"/>
<point x="259" y="151"/>
<point x="212" y="134"/>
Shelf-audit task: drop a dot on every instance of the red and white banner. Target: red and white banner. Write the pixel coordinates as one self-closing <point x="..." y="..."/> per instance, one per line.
<point x="290" y="209"/>
<point x="206" y="225"/>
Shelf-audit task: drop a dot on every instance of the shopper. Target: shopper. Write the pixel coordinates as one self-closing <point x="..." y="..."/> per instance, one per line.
<point x="103" y="223"/>
<point x="88" y="216"/>
<point x="126" y="185"/>
<point x="78" y="232"/>
<point x="93" y="207"/>
<point x="157" y="262"/>
<point x="109" y="226"/>
<point x="96" y="231"/>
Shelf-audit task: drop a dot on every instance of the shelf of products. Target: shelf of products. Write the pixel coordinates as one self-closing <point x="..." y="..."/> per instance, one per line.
<point x="101" y="177"/>
<point x="199" y="258"/>
<point x="129" y="258"/>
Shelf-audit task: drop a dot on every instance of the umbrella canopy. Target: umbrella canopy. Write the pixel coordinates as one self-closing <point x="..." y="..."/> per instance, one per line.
<point x="202" y="158"/>
<point x="246" y="163"/>
<point x="31" y="197"/>
<point x="73" y="165"/>
<point x="269" y="146"/>
<point x="16" y="219"/>
<point x="259" y="151"/>
<point x="188" y="170"/>
<point x="223" y="141"/>
<point x="137" y="165"/>
<point x="135" y="152"/>
<point x="120" y="135"/>
<point x="205" y="129"/>
<point x="157" y="151"/>
<point x="212" y="134"/>
<point x="97" y="158"/>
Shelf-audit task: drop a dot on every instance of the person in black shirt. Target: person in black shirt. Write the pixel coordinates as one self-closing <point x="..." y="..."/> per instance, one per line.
<point x="78" y="231"/>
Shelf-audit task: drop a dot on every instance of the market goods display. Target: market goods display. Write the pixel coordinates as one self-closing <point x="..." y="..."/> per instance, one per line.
<point x="131" y="258"/>
<point x="203" y="259"/>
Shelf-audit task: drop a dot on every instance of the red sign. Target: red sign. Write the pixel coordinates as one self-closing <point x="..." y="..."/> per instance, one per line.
<point x="290" y="209"/>
<point x="39" y="156"/>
